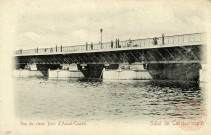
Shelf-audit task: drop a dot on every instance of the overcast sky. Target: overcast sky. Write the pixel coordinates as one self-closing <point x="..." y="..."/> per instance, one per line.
<point x="47" y="24"/>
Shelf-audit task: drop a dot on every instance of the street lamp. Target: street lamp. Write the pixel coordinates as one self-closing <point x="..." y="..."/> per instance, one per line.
<point x="101" y="30"/>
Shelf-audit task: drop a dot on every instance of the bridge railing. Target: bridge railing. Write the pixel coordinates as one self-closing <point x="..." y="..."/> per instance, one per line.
<point x="197" y="37"/>
<point x="167" y="40"/>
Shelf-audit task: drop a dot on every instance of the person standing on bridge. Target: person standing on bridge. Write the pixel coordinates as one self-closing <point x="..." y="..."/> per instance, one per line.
<point x="155" y="42"/>
<point x="86" y="46"/>
<point x="92" y="46"/>
<point x="51" y="50"/>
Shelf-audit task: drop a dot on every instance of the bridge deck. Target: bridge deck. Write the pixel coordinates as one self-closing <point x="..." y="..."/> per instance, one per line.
<point x="161" y="42"/>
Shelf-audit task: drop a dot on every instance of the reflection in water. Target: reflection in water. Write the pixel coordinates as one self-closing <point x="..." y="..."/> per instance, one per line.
<point x="72" y="99"/>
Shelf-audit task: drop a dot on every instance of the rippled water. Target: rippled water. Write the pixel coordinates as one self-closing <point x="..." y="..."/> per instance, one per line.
<point x="41" y="98"/>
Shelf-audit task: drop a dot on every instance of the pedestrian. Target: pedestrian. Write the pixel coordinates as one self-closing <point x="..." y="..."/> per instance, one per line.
<point x="92" y="46"/>
<point x="86" y="46"/>
<point x="111" y="43"/>
<point x="51" y="50"/>
<point x="155" y="42"/>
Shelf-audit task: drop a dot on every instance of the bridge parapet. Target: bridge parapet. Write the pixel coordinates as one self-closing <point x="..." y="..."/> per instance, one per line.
<point x="185" y="39"/>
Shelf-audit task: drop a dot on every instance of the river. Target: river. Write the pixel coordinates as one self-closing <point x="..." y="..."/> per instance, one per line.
<point x="90" y="100"/>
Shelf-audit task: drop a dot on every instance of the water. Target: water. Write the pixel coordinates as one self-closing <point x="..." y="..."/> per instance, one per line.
<point x="90" y="100"/>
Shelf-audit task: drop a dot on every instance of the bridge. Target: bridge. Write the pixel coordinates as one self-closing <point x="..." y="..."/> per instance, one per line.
<point x="177" y="52"/>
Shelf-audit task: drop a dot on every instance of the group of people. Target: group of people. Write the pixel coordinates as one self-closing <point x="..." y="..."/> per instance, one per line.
<point x="51" y="49"/>
<point x="113" y="45"/>
<point x="155" y="40"/>
<point x="117" y="44"/>
<point x="91" y="46"/>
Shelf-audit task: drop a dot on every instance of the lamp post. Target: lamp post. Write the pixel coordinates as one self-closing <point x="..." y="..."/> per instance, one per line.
<point x="101" y="30"/>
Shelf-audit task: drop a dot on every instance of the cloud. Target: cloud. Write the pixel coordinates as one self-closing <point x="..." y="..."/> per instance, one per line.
<point x="30" y="35"/>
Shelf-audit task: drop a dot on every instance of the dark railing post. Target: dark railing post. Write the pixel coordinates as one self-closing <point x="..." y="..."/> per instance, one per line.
<point x="163" y="39"/>
<point x="116" y="43"/>
<point x="56" y="48"/>
<point x="37" y="49"/>
<point x="101" y="31"/>
<point x="61" y="48"/>
<point x="111" y="43"/>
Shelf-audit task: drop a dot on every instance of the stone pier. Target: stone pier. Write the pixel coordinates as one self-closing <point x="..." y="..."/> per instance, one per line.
<point x="67" y="71"/>
<point x="135" y="71"/>
<point x="27" y="73"/>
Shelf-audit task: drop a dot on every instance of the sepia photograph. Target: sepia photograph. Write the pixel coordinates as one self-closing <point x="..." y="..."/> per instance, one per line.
<point x="104" y="67"/>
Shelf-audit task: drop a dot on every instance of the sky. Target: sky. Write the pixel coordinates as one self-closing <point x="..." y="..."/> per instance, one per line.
<point x="67" y="23"/>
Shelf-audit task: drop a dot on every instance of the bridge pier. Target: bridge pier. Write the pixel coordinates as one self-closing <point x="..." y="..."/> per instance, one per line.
<point x="175" y="71"/>
<point x="135" y="71"/>
<point x="27" y="73"/>
<point x="27" y="70"/>
<point x="67" y="71"/>
<point x="48" y="70"/>
<point x="91" y="70"/>
<point x="160" y="71"/>
<point x="123" y="71"/>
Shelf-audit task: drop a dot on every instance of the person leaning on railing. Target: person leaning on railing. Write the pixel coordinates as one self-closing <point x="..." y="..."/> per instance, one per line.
<point x="155" y="42"/>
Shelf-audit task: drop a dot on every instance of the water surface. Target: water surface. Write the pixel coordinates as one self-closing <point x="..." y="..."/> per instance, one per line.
<point x="73" y="99"/>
